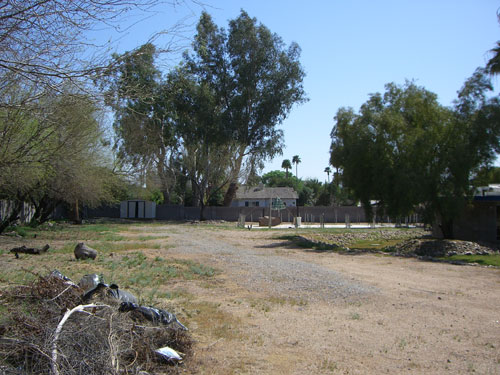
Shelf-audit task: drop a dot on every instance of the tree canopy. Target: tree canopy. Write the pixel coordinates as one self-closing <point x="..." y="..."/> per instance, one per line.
<point x="51" y="145"/>
<point x="255" y="80"/>
<point x="212" y="116"/>
<point x="408" y="152"/>
<point x="51" y="153"/>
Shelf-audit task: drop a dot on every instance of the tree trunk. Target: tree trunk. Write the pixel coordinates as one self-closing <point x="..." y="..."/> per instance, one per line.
<point x="446" y="227"/>
<point x="13" y="216"/>
<point x="43" y="209"/>
<point x="202" y="211"/>
<point x="76" y="213"/>
<point x="196" y="193"/>
<point x="230" y="193"/>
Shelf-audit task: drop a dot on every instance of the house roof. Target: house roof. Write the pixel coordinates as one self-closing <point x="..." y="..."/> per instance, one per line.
<point x="260" y="192"/>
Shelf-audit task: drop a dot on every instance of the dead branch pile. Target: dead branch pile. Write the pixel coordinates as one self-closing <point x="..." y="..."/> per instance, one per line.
<point x="46" y="330"/>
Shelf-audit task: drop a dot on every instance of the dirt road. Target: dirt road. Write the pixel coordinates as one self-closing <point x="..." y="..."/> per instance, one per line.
<point x="296" y="311"/>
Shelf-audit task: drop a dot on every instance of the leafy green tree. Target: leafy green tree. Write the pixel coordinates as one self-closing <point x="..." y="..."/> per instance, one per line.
<point x="286" y="165"/>
<point x="144" y="124"/>
<point x="206" y="145"/>
<point x="59" y="159"/>
<point x="255" y="80"/>
<point x="487" y="175"/>
<point x="277" y="179"/>
<point x="406" y="150"/>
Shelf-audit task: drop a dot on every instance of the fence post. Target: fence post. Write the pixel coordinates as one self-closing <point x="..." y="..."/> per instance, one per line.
<point x="347" y="221"/>
<point x="270" y="212"/>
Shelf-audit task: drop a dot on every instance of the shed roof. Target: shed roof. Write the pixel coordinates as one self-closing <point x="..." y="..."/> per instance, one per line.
<point x="260" y="192"/>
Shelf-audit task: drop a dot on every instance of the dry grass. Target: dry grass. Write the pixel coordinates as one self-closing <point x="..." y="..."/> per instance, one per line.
<point x="139" y="263"/>
<point x="98" y="341"/>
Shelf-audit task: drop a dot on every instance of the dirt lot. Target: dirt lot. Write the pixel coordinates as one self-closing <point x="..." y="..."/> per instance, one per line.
<point x="273" y="308"/>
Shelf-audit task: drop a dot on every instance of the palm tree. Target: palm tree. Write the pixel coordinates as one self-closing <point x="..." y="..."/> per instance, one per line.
<point x="296" y="160"/>
<point x="493" y="65"/>
<point x="328" y="171"/>
<point x="286" y="165"/>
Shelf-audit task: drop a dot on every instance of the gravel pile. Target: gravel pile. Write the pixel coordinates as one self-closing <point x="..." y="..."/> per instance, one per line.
<point x="439" y="248"/>
<point x="345" y="240"/>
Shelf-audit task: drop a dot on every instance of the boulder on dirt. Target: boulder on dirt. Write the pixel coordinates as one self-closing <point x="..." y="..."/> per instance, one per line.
<point x="264" y="221"/>
<point x="82" y="251"/>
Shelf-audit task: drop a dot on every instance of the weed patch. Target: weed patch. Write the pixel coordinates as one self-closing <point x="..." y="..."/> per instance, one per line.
<point x="484" y="260"/>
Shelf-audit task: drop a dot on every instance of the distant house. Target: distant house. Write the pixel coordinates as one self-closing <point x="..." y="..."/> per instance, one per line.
<point x="260" y="196"/>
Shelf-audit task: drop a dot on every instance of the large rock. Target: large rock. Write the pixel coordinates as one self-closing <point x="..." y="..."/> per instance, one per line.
<point x="82" y="251"/>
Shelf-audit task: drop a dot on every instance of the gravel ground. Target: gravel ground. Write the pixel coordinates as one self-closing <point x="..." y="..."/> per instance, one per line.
<point x="264" y="269"/>
<point x="363" y="314"/>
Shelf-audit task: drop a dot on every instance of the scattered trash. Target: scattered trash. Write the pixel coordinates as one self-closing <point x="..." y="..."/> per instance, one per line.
<point x="152" y="314"/>
<point x="169" y="353"/>
<point x="59" y="275"/>
<point x="121" y="295"/>
<point x="46" y="329"/>
<point x="89" y="282"/>
<point x="93" y="283"/>
<point x="82" y="251"/>
<point x="111" y="291"/>
<point x="29" y="250"/>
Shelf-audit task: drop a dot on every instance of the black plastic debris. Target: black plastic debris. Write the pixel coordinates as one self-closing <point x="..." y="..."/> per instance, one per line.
<point x="93" y="283"/>
<point x="152" y="314"/>
<point x="121" y="295"/>
<point x="112" y="291"/>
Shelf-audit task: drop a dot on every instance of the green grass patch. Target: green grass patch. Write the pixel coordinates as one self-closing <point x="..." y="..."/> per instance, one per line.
<point x="196" y="269"/>
<point x="484" y="260"/>
<point x="136" y="270"/>
<point x="306" y="244"/>
<point x="70" y="232"/>
<point x="150" y="238"/>
<point x="16" y="276"/>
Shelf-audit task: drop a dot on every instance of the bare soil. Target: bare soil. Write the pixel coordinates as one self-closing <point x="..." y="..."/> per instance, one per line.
<point x="297" y="311"/>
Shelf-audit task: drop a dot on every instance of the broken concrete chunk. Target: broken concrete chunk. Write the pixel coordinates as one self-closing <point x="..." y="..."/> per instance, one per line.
<point x="82" y="251"/>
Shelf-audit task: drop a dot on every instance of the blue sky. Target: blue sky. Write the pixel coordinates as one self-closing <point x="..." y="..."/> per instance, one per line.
<point x="351" y="48"/>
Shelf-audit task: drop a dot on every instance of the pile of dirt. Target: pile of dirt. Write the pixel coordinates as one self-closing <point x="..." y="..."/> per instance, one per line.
<point x="434" y="248"/>
<point x="45" y="328"/>
<point x="346" y="239"/>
